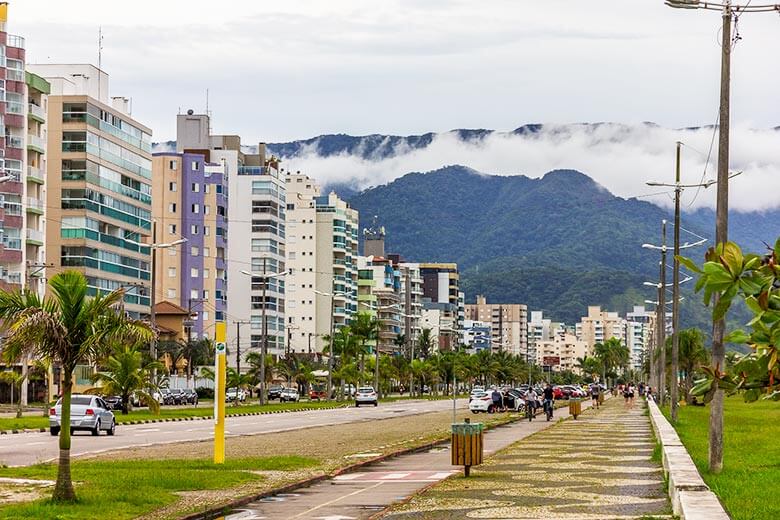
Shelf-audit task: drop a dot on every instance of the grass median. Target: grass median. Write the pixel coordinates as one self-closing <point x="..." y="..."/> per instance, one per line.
<point x="177" y="479"/>
<point x="38" y="421"/>
<point x="747" y="486"/>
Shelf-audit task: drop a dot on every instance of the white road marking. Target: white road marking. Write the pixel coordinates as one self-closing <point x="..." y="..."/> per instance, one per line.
<point x="349" y="477"/>
<point x="337" y="500"/>
<point x="150" y="430"/>
<point x="441" y="475"/>
<point x="35" y="443"/>
<point x="395" y="476"/>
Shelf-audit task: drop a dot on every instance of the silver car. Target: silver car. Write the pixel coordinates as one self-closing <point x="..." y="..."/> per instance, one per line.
<point x="87" y="412"/>
<point x="365" y="395"/>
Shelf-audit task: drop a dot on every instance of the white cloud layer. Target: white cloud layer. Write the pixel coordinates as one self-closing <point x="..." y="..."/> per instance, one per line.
<point x="620" y="157"/>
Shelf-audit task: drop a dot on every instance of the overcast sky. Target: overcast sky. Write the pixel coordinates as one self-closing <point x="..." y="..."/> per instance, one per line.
<point x="292" y="69"/>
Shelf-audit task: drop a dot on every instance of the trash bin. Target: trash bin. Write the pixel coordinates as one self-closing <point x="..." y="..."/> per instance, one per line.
<point x="601" y="398"/>
<point x="467" y="445"/>
<point x="575" y="407"/>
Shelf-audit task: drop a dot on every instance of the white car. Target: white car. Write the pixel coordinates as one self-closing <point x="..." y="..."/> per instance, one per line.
<point x="476" y="391"/>
<point x="87" y="412"/>
<point x="481" y="402"/>
<point x="365" y="395"/>
<point x="235" y="394"/>
<point x="289" y="394"/>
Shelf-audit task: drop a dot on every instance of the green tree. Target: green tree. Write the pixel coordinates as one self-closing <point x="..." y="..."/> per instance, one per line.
<point x="425" y="344"/>
<point x="69" y="328"/>
<point x="692" y="355"/>
<point x="365" y="329"/>
<point x="126" y="373"/>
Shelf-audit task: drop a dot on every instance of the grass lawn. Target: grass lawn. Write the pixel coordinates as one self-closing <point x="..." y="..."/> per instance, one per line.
<point x="127" y="489"/>
<point x="38" y="421"/>
<point x="747" y="487"/>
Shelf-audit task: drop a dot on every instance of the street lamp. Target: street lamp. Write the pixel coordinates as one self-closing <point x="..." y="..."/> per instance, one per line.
<point x="264" y="346"/>
<point x="332" y="327"/>
<point x="154" y="247"/>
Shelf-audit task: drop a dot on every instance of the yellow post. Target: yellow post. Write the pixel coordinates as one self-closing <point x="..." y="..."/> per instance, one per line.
<point x="219" y="393"/>
<point x="3" y="11"/>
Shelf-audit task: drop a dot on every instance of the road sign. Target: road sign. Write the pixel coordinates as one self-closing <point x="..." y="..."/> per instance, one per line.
<point x="551" y="361"/>
<point x="221" y="347"/>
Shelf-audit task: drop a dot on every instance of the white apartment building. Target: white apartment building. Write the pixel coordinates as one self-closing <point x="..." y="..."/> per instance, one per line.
<point x="411" y="294"/>
<point x="640" y="333"/>
<point x="561" y="354"/>
<point x="321" y="258"/>
<point x="599" y="326"/>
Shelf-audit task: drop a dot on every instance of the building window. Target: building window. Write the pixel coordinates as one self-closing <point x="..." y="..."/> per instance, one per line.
<point x="194" y="251"/>
<point x="172" y="294"/>
<point x="196" y="208"/>
<point x="172" y="207"/>
<point x="172" y="165"/>
<point x="171" y="186"/>
<point x="194" y="272"/>
<point x="206" y="252"/>
<point x="206" y="210"/>
<point x="194" y="167"/>
<point x="206" y="297"/>
<point x="194" y="229"/>
<point x="291" y="207"/>
<point x="291" y="255"/>
<point x="206" y="317"/>
<point x="205" y="273"/>
<point x="171" y="272"/>
<point x="194" y="295"/>
<point x="172" y="229"/>
<point x="206" y="188"/>
<point x="205" y="231"/>
<point x="219" y="188"/>
<point x="195" y="187"/>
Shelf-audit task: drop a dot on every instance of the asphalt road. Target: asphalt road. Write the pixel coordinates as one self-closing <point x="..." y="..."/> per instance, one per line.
<point x="364" y="493"/>
<point x="29" y="448"/>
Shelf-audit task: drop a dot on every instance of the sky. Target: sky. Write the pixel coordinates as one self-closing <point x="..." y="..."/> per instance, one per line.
<point x="278" y="71"/>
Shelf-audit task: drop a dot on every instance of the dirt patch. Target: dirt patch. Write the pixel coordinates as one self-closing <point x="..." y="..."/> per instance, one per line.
<point x="23" y="491"/>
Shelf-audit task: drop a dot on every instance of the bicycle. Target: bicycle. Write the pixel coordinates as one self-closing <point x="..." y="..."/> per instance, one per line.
<point x="529" y="410"/>
<point x="548" y="409"/>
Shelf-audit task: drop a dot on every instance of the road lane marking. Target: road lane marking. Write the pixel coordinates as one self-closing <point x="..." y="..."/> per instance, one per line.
<point x="395" y="476"/>
<point x="337" y="500"/>
<point x="441" y="475"/>
<point x="349" y="477"/>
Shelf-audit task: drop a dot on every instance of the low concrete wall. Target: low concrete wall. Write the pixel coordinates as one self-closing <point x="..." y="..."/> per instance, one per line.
<point x="691" y="498"/>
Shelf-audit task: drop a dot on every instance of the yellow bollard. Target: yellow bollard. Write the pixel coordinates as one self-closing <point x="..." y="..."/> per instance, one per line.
<point x="219" y="392"/>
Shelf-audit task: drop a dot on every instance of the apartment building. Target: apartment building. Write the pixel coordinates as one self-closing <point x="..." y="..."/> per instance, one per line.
<point x="190" y="200"/>
<point x="640" y="334"/>
<point x="477" y="335"/>
<point x="322" y="249"/>
<point x="98" y="175"/>
<point x="508" y="323"/>
<point x="411" y="295"/>
<point x="561" y="353"/>
<point x="379" y="288"/>
<point x="441" y="292"/>
<point x="255" y="267"/>
<point x="599" y="326"/>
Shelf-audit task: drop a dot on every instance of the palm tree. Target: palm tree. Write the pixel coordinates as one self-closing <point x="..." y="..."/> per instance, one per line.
<point x="127" y="373"/>
<point x="69" y="328"/>
<point x="692" y="355"/>
<point x="364" y="327"/>
<point x="254" y="358"/>
<point x="612" y="354"/>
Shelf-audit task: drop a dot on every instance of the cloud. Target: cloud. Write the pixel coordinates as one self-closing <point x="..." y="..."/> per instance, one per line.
<point x="620" y="157"/>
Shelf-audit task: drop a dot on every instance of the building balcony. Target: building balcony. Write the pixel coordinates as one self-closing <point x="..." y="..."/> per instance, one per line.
<point x="12" y="141"/>
<point x="14" y="75"/>
<point x="36" y="112"/>
<point x="34" y="237"/>
<point x="34" y="206"/>
<point x="36" y="144"/>
<point x="36" y="175"/>
<point x="15" y="41"/>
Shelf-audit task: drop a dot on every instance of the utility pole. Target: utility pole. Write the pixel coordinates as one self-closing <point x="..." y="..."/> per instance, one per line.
<point x="676" y="292"/>
<point x="152" y="316"/>
<point x="662" y="321"/>
<point x="238" y="344"/>
<point x="728" y="10"/>
<point x="332" y="331"/>
<point x="264" y="347"/>
<point x="408" y="325"/>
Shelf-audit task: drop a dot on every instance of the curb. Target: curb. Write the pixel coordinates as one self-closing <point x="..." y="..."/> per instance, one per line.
<point x="219" y="511"/>
<point x="189" y="418"/>
<point x="691" y="498"/>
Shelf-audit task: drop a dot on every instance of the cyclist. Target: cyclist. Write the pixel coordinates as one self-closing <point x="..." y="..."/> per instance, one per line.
<point x="530" y="402"/>
<point x="548" y="400"/>
<point x="595" y="390"/>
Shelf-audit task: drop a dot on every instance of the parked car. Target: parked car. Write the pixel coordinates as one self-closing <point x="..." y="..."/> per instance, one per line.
<point x="136" y="399"/>
<point x="289" y="394"/>
<point x="87" y="412"/>
<point x="365" y="395"/>
<point x="315" y="394"/>
<point x="481" y="401"/>
<point x="557" y="392"/>
<point x="477" y="390"/>
<point x="178" y="396"/>
<point x="349" y="390"/>
<point x="114" y="402"/>
<point x="235" y="394"/>
<point x="275" y="392"/>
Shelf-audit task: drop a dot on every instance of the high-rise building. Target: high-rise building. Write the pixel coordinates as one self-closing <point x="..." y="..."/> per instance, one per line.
<point x="411" y="294"/>
<point x="508" y="321"/>
<point x="441" y="282"/>
<point x="256" y="234"/>
<point x="640" y="333"/>
<point x="477" y="335"/>
<point x="561" y="353"/>
<point x="599" y="326"/>
<point x="379" y="294"/>
<point x="98" y="195"/>
<point x="190" y="200"/>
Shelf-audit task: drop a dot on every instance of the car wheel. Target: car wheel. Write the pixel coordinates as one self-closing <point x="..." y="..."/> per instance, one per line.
<point x="54" y="430"/>
<point x="357" y="405"/>
<point x="96" y="429"/>
<point x="112" y="430"/>
<point x="491" y="409"/>
<point x="375" y="403"/>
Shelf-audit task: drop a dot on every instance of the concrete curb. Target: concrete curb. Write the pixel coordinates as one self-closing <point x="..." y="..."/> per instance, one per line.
<point x="691" y="497"/>
<point x="190" y="418"/>
<point x="218" y="511"/>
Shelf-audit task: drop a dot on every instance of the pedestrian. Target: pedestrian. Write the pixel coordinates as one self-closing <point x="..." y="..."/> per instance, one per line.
<point x="625" y="394"/>
<point x="641" y="389"/>
<point x="631" y="390"/>
<point x="496" y="397"/>
<point x="595" y="390"/>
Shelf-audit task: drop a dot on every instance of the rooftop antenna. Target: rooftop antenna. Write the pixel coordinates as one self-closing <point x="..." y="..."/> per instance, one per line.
<point x="208" y="114"/>
<point x="100" y="47"/>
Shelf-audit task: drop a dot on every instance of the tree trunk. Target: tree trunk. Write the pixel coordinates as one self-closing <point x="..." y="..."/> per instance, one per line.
<point x="125" y="403"/>
<point x="63" y="489"/>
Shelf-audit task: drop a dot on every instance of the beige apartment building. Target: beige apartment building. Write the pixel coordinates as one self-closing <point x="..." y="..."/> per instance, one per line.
<point x="599" y="326"/>
<point x="508" y="323"/>
<point x="98" y="184"/>
<point x="322" y="261"/>
<point x="561" y="353"/>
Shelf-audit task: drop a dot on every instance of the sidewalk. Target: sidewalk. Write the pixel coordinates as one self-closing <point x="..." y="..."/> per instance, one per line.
<point x="598" y="467"/>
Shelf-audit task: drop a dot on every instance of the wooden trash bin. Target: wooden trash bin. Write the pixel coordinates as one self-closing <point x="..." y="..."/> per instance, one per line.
<point x="601" y="398"/>
<point x="575" y="407"/>
<point x="467" y="445"/>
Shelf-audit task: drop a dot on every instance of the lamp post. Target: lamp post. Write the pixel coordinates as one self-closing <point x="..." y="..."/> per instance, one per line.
<point x="154" y="246"/>
<point x="332" y="331"/>
<point x="264" y="346"/>
<point x="728" y="11"/>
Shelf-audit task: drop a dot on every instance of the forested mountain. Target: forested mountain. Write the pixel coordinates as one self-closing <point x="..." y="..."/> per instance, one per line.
<point x="558" y="243"/>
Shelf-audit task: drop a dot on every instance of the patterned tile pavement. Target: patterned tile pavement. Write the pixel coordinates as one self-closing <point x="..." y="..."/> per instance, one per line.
<point x="598" y="467"/>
